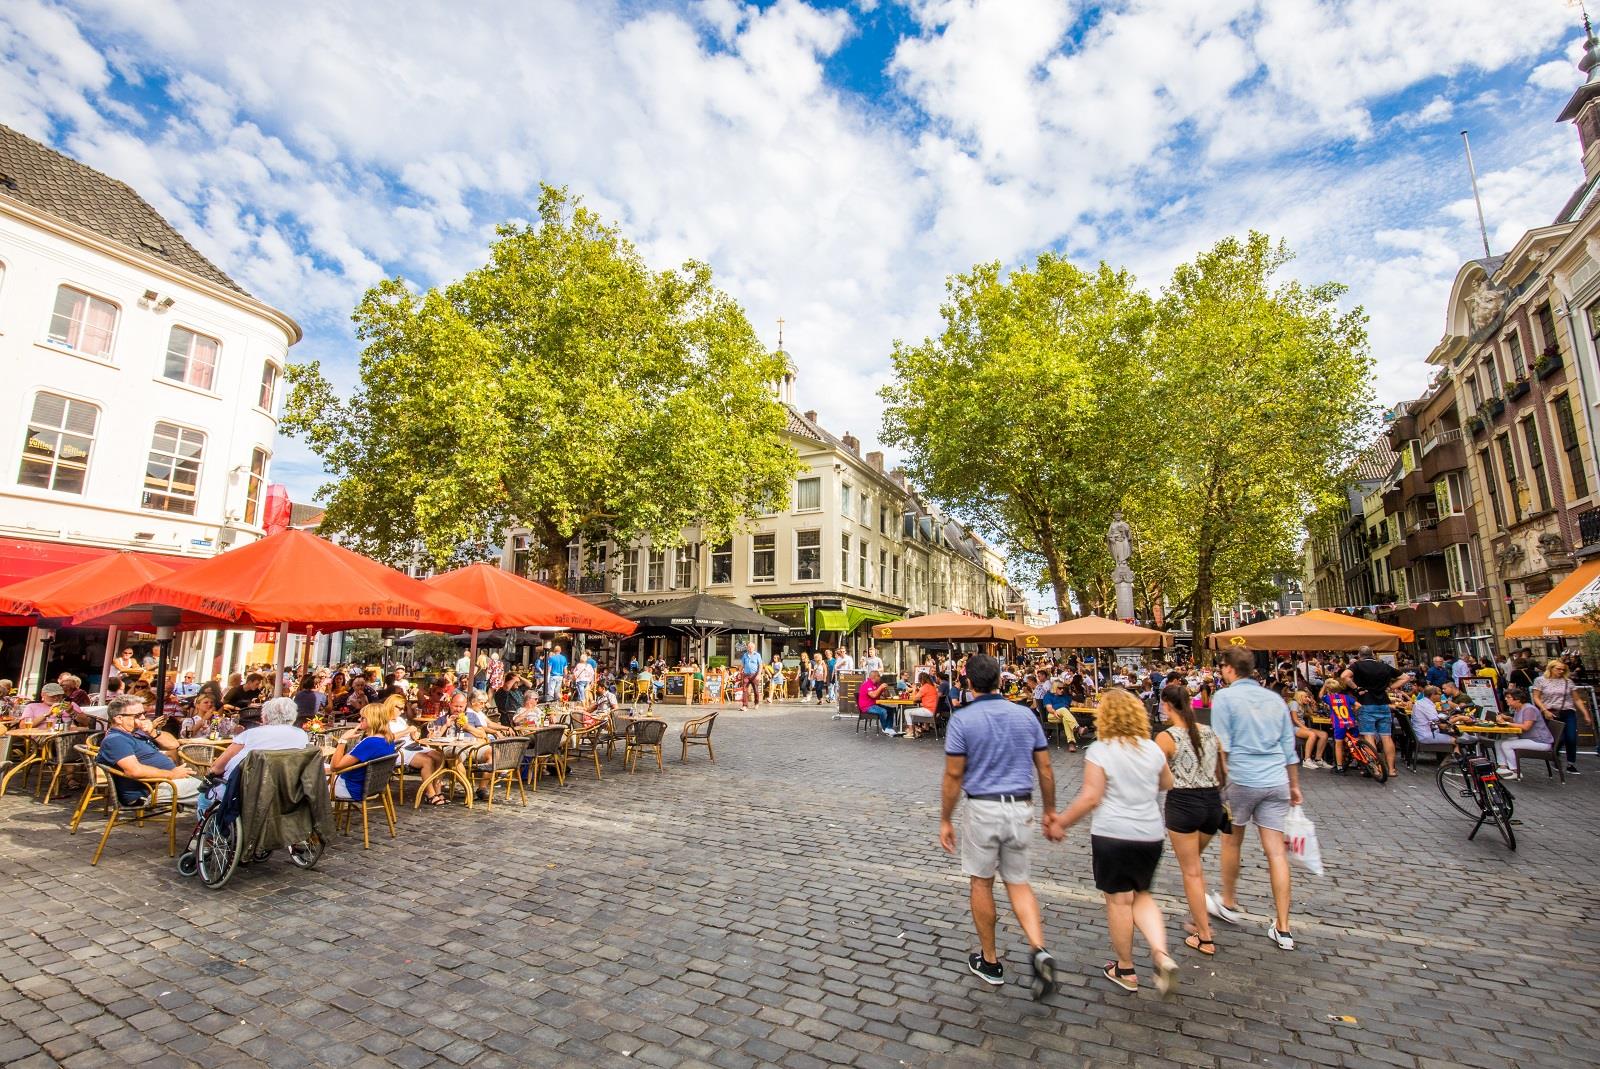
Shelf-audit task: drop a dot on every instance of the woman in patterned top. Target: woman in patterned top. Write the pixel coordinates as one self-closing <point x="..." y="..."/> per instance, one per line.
<point x="1194" y="812"/>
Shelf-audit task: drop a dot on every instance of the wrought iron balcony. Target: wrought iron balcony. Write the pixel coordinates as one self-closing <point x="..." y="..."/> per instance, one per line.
<point x="1588" y="533"/>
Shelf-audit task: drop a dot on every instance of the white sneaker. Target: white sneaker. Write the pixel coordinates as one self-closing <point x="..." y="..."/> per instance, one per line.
<point x="1507" y="773"/>
<point x="1284" y="940"/>
<point x="1217" y="909"/>
<point x="1313" y="765"/>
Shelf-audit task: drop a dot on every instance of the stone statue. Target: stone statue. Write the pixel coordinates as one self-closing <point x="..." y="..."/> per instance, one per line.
<point x="1119" y="538"/>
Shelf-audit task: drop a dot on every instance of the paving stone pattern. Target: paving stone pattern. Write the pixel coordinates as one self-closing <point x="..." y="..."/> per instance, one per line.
<point x="786" y="906"/>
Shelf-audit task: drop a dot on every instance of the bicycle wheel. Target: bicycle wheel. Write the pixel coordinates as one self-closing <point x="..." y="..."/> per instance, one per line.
<point x="217" y="853"/>
<point x="1456" y="790"/>
<point x="1499" y="800"/>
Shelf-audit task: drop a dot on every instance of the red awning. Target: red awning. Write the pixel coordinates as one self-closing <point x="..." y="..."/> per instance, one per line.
<point x="26" y="558"/>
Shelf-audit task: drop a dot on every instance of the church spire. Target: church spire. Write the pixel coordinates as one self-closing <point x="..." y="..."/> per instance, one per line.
<point x="1583" y="109"/>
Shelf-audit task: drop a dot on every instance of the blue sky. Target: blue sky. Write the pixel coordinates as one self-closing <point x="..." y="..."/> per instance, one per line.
<point x="832" y="161"/>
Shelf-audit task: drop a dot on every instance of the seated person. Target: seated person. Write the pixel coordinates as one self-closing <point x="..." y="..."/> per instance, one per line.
<point x="599" y="707"/>
<point x="1300" y="708"/>
<point x="245" y="693"/>
<point x="186" y="687"/>
<point x="34" y="714"/>
<point x="873" y="689"/>
<point x="202" y="722"/>
<point x="129" y="748"/>
<point x="928" y="704"/>
<point x="646" y="686"/>
<point x="367" y="743"/>
<point x="409" y="751"/>
<point x="275" y="732"/>
<point x="530" y="713"/>
<point x="1055" y="706"/>
<point x="1535" y="733"/>
<point x="1427" y="722"/>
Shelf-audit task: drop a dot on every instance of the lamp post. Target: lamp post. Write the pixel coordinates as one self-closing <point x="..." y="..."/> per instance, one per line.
<point x="47" y="638"/>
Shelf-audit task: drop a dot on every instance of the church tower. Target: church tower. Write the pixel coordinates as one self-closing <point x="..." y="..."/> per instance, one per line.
<point x="1583" y="110"/>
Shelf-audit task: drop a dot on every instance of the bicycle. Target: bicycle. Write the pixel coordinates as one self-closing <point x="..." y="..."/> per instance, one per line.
<point x="1467" y="778"/>
<point x="1366" y="757"/>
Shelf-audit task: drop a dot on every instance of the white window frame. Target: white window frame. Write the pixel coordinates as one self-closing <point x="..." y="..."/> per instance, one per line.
<point x="1516" y="355"/>
<point x="865" y="516"/>
<point x="846" y="499"/>
<point x="772" y="552"/>
<point x="799" y="577"/>
<point x="683" y="560"/>
<point x="628" y="574"/>
<point x="655" y="570"/>
<point x="62" y="345"/>
<point x="864" y="559"/>
<point x="200" y="467"/>
<point x="255" y="486"/>
<point x="271" y="407"/>
<point x="195" y="334"/>
<point x="724" y="549"/>
<point x="844" y="559"/>
<point x="55" y="462"/>
<point x="812" y="480"/>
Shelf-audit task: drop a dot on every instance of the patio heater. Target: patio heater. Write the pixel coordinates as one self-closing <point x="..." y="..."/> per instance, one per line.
<point x="166" y="621"/>
<point x="47" y="638"/>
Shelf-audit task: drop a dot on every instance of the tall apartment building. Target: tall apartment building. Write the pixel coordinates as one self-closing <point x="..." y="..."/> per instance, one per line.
<point x="143" y="385"/>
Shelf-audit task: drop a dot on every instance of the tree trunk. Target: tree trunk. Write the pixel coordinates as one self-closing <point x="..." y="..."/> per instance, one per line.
<point x="553" y="555"/>
<point x="1200" y="610"/>
<point x="1055" y="572"/>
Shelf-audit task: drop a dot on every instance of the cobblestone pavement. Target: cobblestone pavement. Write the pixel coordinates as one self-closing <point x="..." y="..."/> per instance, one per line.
<point x="787" y="905"/>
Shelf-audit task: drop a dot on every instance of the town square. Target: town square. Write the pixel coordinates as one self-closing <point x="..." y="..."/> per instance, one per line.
<point x="879" y="533"/>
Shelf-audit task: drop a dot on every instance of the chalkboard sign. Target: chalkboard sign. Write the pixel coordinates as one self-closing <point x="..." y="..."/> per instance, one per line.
<point x="675" y="685"/>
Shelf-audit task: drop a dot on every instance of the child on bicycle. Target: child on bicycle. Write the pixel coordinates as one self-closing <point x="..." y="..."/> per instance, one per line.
<point x="1342" y="712"/>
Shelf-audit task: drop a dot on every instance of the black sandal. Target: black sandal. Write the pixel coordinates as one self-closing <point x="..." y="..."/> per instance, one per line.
<point x="1204" y="946"/>
<point x="1117" y="975"/>
<point x="438" y="799"/>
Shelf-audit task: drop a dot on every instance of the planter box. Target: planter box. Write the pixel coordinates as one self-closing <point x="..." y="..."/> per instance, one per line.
<point x="1517" y="389"/>
<point x="1474" y="424"/>
<point x="1547" y="367"/>
<point x="1495" y="406"/>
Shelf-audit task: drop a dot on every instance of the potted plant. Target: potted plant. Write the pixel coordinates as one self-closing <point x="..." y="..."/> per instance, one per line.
<point x="1549" y="362"/>
<point x="1493" y="407"/>
<point x="1517" y="389"/>
<point x="1474" y="424"/>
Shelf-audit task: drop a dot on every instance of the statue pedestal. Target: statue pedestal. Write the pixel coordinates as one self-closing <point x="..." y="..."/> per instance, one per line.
<point x="1124" y="601"/>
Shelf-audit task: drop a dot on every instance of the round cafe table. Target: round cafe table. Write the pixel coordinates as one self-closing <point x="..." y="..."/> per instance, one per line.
<point x="455" y="751"/>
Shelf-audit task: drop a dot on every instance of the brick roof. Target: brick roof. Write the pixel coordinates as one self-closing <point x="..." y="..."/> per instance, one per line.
<point x="45" y="180"/>
<point x="1375" y="461"/>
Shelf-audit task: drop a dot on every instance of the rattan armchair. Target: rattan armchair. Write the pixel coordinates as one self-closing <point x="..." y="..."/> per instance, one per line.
<point x="99" y="783"/>
<point x="645" y="738"/>
<point x="697" y="732"/>
<point x="374" y="792"/>
<point x="160" y="799"/>
<point x="504" y="766"/>
<point x="63" y="755"/>
<point x="547" y="750"/>
<point x="586" y="742"/>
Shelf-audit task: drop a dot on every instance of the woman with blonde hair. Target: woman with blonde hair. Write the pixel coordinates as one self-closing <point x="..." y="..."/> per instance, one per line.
<point x="1301" y="709"/>
<point x="1560" y="702"/>
<point x="1123" y="775"/>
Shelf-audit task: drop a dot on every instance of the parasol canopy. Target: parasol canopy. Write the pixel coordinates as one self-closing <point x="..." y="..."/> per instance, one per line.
<point x="708" y="614"/>
<point x="1091" y="631"/>
<point x="1303" y="633"/>
<point x="61" y="594"/>
<point x="1404" y="634"/>
<point x="950" y="625"/>
<point x="1561" y="613"/>
<point x="293" y="578"/>
<point x="513" y="601"/>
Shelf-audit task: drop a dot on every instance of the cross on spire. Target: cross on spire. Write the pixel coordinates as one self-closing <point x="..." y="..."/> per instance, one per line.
<point x="780" y="334"/>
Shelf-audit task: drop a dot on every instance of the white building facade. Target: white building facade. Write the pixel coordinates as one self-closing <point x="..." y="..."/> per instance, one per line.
<point x="143" y="386"/>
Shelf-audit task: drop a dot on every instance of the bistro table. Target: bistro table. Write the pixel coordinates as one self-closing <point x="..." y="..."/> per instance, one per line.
<point x="899" y="706"/>
<point x="455" y="752"/>
<point x="36" y="742"/>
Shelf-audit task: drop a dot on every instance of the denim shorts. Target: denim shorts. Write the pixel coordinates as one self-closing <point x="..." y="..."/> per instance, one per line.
<point x="1374" y="719"/>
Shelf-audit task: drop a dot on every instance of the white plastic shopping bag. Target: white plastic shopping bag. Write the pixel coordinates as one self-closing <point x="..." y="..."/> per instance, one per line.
<point x="1301" y="836"/>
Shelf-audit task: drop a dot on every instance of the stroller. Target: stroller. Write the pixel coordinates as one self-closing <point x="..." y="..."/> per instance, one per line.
<point x="273" y="798"/>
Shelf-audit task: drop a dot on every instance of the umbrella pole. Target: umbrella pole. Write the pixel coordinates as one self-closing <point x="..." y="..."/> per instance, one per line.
<point x="161" y="676"/>
<point x="472" y="660"/>
<point x="105" y="663"/>
<point x="277" y="660"/>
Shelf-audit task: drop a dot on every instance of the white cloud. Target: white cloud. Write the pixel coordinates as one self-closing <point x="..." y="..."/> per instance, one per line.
<point x="312" y="148"/>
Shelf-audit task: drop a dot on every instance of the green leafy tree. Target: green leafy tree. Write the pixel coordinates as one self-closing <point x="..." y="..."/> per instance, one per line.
<point x="435" y="649"/>
<point x="364" y="646"/>
<point x="1028" y="415"/>
<point x="1268" y="397"/>
<point x="564" y="386"/>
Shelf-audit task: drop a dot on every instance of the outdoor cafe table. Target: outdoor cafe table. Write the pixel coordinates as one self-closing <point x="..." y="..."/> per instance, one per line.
<point x="36" y="742"/>
<point x="899" y="706"/>
<point x="455" y="751"/>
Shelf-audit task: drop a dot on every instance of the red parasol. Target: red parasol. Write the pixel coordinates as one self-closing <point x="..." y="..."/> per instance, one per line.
<point x="513" y="601"/>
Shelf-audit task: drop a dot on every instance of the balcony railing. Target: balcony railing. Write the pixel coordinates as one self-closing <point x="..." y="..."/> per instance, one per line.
<point x="1589" y="529"/>
<point x="592" y="584"/>
<point x="1443" y="438"/>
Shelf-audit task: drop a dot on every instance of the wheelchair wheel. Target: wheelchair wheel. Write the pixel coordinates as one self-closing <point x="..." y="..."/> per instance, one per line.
<point x="188" y="864"/>
<point x="306" y="854"/>
<point x="217" y="852"/>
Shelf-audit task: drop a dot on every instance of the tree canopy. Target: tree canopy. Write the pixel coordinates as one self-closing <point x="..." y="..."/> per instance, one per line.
<point x="564" y="386"/>
<point x="1216" y="416"/>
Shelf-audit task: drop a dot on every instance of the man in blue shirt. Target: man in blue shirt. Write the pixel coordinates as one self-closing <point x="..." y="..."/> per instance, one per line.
<point x="187" y="688"/>
<point x="1438" y="674"/>
<point x="129" y="749"/>
<point x="555" y="674"/>
<point x="1256" y="733"/>
<point x="993" y="748"/>
<point x="750" y="669"/>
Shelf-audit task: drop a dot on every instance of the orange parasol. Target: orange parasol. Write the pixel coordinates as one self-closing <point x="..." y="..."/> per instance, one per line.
<point x="1300" y="633"/>
<point x="950" y="625"/>
<point x="1404" y="634"/>
<point x="1087" y="632"/>
<point x="512" y="601"/>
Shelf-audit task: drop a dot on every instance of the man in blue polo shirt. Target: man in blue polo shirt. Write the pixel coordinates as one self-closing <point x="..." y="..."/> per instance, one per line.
<point x="750" y="669"/>
<point x="556" y="672"/>
<point x="992" y="749"/>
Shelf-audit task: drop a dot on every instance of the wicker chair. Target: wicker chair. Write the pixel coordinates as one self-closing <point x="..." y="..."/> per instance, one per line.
<point x="548" y="748"/>
<point x="646" y="738"/>
<point x="505" y="766"/>
<point x="697" y="732"/>
<point x="617" y="730"/>
<point x="586" y="742"/>
<point x="374" y="792"/>
<point x="97" y="787"/>
<point x="198" y="756"/>
<point x="64" y="755"/>
<point x="160" y="799"/>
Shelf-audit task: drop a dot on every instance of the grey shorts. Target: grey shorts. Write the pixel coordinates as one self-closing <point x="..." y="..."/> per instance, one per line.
<point x="1265" y="807"/>
<point x="996" y="840"/>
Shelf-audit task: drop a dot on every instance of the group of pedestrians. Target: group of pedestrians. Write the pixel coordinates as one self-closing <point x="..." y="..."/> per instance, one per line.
<point x="1218" y="780"/>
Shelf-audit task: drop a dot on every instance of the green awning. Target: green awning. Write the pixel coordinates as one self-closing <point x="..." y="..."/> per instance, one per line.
<point x="859" y="616"/>
<point x="832" y="620"/>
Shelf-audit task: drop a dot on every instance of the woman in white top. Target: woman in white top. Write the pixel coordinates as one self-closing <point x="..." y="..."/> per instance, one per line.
<point x="1123" y="776"/>
<point x="1194" y="804"/>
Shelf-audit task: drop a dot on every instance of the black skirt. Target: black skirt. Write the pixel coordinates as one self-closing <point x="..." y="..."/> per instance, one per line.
<point x="1124" y="864"/>
<point x="1191" y="809"/>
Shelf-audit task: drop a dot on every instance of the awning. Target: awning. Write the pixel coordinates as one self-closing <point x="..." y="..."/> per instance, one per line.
<point x="850" y="617"/>
<point x="832" y="620"/>
<point x="1559" y="614"/>
<point x="26" y="558"/>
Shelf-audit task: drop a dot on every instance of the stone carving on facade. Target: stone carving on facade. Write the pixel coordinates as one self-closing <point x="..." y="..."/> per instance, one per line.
<point x="1483" y="304"/>
<point x="1512" y="554"/>
<point x="1552" y="546"/>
